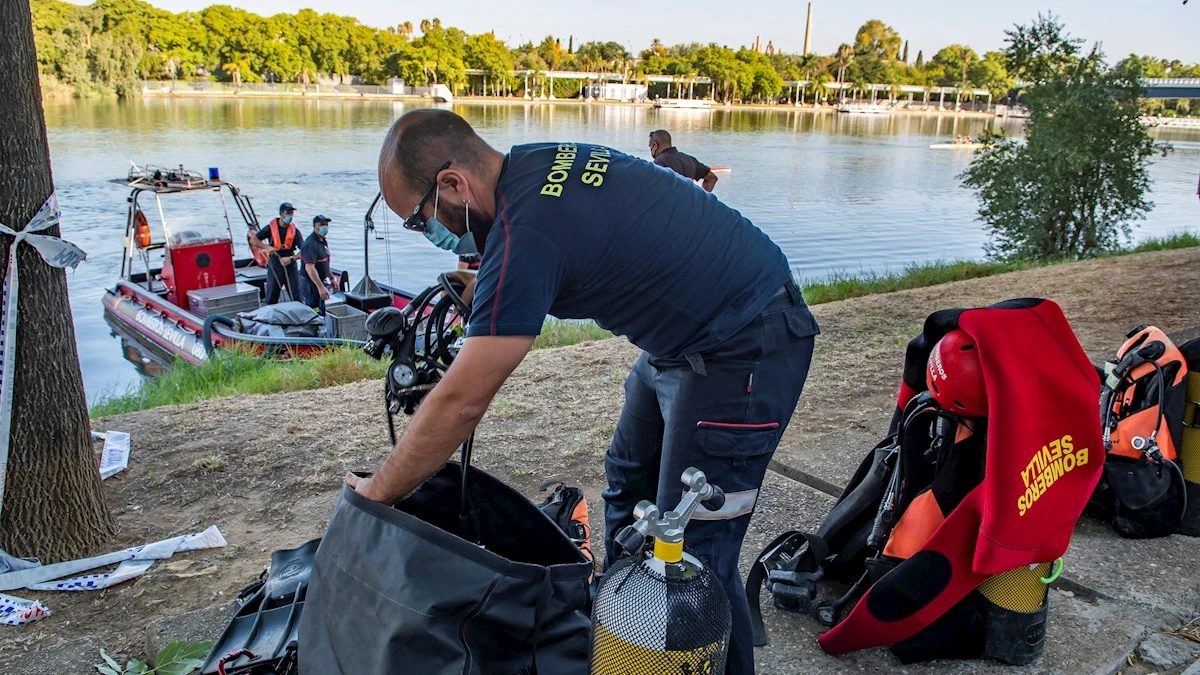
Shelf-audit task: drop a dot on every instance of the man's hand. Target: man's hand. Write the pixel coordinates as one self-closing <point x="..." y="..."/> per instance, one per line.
<point x="363" y="487"/>
<point x="709" y="181"/>
<point x="325" y="295"/>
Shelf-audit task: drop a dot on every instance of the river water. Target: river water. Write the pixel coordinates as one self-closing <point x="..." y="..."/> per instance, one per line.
<point x="837" y="192"/>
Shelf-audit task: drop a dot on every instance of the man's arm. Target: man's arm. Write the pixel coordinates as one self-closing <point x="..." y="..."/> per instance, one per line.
<point x="311" y="270"/>
<point x="709" y="181"/>
<point x="446" y="417"/>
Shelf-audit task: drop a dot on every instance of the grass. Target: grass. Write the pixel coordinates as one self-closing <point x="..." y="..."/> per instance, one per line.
<point x="235" y="372"/>
<point x="556" y="333"/>
<point x="843" y="285"/>
<point x="239" y="372"/>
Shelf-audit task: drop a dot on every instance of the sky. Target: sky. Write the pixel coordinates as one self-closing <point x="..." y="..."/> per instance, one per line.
<point x="1163" y="28"/>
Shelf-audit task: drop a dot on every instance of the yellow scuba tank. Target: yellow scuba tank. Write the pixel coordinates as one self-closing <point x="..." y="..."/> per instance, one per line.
<point x="662" y="612"/>
<point x="1189" y="454"/>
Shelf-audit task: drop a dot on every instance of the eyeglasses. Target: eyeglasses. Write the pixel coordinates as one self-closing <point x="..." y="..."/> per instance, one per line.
<point x="416" y="222"/>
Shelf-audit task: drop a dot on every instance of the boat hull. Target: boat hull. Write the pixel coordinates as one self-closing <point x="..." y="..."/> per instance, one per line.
<point x="178" y="333"/>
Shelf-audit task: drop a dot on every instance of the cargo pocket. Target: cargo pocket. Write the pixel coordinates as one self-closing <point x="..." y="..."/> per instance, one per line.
<point x="801" y="322"/>
<point x="738" y="454"/>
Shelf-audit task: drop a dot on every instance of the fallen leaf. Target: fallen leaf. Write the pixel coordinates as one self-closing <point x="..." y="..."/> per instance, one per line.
<point x="179" y="565"/>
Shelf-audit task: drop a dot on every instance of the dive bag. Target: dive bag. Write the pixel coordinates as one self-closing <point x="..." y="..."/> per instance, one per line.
<point x="1148" y="415"/>
<point x="947" y="536"/>
<point x="415" y="589"/>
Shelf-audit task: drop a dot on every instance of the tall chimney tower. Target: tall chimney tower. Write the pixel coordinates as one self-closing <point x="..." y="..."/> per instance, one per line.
<point x="808" y="32"/>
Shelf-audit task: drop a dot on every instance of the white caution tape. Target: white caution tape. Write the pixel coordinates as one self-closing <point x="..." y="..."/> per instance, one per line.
<point x="43" y="578"/>
<point x="18" y="611"/>
<point x="54" y="251"/>
<point x="116" y="454"/>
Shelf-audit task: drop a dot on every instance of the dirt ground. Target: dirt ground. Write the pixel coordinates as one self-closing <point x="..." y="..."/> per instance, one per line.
<point x="265" y="469"/>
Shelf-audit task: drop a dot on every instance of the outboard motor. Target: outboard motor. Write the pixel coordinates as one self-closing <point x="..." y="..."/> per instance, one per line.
<point x="665" y="611"/>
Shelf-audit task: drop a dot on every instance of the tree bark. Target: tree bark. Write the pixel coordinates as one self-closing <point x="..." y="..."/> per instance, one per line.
<point x="53" y="501"/>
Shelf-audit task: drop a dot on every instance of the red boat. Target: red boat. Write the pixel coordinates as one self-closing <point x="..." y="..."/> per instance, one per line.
<point x="179" y="270"/>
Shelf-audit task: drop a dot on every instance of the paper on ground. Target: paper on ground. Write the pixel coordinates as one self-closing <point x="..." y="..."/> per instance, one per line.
<point x="36" y="578"/>
<point x="116" y="453"/>
<point x="18" y="611"/>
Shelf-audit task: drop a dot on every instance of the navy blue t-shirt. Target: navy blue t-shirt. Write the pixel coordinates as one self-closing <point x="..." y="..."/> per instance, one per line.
<point x="586" y="232"/>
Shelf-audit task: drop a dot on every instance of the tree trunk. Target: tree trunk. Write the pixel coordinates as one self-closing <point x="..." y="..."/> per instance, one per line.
<point x="53" y="502"/>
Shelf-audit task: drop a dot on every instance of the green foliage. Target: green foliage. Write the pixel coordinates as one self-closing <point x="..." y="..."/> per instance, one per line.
<point x="177" y="658"/>
<point x="111" y="44"/>
<point x="1077" y="184"/>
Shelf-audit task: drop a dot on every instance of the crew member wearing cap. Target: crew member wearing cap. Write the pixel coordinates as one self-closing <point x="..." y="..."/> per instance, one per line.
<point x="314" y="255"/>
<point x="284" y="241"/>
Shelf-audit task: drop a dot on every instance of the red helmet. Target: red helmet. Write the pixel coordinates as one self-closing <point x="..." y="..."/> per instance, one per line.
<point x="955" y="377"/>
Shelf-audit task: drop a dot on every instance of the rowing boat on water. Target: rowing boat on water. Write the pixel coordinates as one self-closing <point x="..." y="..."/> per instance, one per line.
<point x="721" y="170"/>
<point x="957" y="146"/>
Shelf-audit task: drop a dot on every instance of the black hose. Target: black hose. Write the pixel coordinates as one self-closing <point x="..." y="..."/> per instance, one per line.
<point x="206" y="332"/>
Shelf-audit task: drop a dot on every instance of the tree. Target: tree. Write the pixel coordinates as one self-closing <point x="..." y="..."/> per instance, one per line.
<point x="1074" y="188"/>
<point x="53" y="505"/>
<point x="877" y="39"/>
<point x="904" y="55"/>
<point x="920" y="63"/>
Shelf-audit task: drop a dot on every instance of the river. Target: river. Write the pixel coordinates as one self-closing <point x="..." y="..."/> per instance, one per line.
<point x="837" y="192"/>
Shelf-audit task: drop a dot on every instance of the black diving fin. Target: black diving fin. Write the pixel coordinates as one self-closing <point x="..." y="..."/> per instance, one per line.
<point x="261" y="638"/>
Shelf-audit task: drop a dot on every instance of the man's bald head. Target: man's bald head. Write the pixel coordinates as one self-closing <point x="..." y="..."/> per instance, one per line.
<point x="662" y="137"/>
<point x="421" y="141"/>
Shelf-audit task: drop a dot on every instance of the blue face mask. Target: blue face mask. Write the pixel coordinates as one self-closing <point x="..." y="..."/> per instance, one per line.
<point x="287" y="220"/>
<point x="323" y="230"/>
<point x="439" y="236"/>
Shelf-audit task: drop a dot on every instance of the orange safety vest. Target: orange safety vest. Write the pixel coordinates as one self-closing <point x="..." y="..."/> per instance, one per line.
<point x="262" y="257"/>
<point x="287" y="239"/>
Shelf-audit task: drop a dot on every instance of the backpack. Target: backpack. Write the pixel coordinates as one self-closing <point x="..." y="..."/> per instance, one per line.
<point x="568" y="509"/>
<point x="934" y="554"/>
<point x="1151" y="482"/>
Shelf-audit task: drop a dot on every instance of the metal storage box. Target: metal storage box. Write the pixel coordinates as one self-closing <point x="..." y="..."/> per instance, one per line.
<point x="228" y="300"/>
<point x="344" y="321"/>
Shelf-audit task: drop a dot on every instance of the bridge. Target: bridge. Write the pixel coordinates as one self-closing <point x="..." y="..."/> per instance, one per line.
<point x="1172" y="87"/>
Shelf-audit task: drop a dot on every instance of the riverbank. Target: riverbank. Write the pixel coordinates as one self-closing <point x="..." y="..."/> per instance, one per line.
<point x="271" y="486"/>
<point x="244" y="374"/>
<point x="333" y="93"/>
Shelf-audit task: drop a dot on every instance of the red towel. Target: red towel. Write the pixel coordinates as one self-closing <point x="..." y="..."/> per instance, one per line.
<point x="1044" y="458"/>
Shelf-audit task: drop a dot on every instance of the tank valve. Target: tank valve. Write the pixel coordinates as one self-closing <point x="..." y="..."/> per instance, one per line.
<point x="667" y="529"/>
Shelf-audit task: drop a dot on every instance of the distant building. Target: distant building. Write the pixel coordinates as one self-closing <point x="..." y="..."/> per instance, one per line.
<point x="615" y="91"/>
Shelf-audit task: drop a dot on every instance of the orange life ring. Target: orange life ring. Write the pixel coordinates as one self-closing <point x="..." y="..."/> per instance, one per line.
<point x="141" y="229"/>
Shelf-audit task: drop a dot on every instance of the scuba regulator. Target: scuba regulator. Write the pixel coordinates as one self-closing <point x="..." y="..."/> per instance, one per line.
<point x="663" y="611"/>
<point x="423" y="339"/>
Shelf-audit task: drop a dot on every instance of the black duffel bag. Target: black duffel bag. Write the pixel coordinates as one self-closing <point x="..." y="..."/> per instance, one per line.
<point x="398" y="590"/>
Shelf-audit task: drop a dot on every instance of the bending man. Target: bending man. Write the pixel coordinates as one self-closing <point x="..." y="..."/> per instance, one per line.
<point x="583" y="231"/>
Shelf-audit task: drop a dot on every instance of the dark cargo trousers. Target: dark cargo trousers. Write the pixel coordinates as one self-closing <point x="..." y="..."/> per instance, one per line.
<point x="722" y="411"/>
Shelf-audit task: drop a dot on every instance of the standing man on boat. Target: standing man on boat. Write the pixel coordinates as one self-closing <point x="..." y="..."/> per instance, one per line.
<point x="284" y="242"/>
<point x="685" y="165"/>
<point x="314" y="256"/>
<point x="583" y="231"/>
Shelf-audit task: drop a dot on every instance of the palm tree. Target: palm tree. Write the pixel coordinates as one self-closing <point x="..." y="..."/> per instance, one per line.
<point x="845" y="54"/>
<point x="425" y="25"/>
<point x="405" y="29"/>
